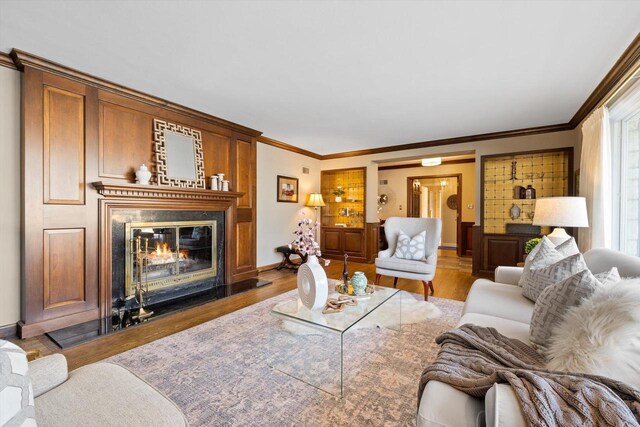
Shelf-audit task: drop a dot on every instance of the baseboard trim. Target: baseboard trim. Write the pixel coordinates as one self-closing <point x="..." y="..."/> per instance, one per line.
<point x="9" y="331"/>
<point x="268" y="267"/>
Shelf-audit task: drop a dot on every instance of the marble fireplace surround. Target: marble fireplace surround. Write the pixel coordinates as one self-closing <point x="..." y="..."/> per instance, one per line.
<point x="121" y="203"/>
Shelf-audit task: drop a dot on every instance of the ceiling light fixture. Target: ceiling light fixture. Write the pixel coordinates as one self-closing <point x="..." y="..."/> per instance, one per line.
<point x="434" y="161"/>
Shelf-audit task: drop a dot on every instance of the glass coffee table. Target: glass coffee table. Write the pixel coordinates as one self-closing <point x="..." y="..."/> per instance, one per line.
<point x="311" y="346"/>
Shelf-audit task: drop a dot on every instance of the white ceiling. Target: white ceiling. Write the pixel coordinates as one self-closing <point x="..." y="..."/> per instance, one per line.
<point x="335" y="76"/>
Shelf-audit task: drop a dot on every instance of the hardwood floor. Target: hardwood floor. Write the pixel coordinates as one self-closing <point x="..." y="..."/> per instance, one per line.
<point x="452" y="281"/>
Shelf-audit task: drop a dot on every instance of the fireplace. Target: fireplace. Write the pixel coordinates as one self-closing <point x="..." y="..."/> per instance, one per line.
<point x="176" y="253"/>
<point x="183" y="254"/>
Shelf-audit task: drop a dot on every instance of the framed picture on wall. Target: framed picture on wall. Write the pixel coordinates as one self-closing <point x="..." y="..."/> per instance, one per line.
<point x="287" y="189"/>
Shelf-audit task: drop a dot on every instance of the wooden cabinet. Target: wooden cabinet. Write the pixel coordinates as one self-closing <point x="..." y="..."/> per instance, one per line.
<point x="343" y="217"/>
<point x="336" y="241"/>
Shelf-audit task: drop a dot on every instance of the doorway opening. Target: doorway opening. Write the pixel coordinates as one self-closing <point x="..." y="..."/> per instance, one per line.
<point x="438" y="196"/>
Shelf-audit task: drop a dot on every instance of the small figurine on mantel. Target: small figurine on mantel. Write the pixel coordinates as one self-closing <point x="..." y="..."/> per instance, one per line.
<point x="143" y="175"/>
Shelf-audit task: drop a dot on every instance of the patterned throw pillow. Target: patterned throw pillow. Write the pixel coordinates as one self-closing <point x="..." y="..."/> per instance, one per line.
<point x="609" y="277"/>
<point x="540" y="278"/>
<point x="16" y="393"/>
<point x="542" y="255"/>
<point x="411" y="247"/>
<point x="568" y="248"/>
<point x="554" y="301"/>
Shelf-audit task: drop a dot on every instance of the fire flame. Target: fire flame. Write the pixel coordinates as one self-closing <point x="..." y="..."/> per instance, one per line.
<point x="162" y="250"/>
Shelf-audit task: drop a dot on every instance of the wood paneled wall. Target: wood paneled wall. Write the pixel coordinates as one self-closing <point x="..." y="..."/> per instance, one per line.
<point x="78" y="129"/>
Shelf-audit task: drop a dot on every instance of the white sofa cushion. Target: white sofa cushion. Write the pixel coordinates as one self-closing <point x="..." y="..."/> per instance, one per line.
<point x="554" y="301"/>
<point x="498" y="299"/>
<point x="399" y="264"/>
<point x="540" y="278"/>
<point x="502" y="407"/>
<point x="442" y="405"/>
<point x="506" y="327"/>
<point x="16" y="393"/>
<point x="411" y="247"/>
<point x="542" y="255"/>
<point x="93" y="394"/>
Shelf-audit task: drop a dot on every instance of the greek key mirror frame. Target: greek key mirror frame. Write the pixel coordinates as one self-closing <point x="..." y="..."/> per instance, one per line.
<point x="160" y="129"/>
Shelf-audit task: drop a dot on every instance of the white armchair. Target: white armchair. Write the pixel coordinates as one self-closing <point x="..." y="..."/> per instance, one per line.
<point x="423" y="270"/>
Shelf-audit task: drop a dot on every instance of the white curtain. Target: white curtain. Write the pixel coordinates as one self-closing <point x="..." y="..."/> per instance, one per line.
<point x="595" y="180"/>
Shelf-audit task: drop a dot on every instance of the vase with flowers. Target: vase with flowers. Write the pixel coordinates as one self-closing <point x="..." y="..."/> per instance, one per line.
<point x="313" y="287"/>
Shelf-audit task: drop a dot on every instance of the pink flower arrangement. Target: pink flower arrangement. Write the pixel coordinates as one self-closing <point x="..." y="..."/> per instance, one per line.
<point x="304" y="242"/>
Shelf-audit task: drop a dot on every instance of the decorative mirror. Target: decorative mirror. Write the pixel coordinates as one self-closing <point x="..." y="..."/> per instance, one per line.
<point x="179" y="161"/>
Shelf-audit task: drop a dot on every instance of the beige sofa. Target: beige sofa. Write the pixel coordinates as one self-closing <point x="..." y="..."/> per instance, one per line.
<point x="500" y="305"/>
<point x="100" y="394"/>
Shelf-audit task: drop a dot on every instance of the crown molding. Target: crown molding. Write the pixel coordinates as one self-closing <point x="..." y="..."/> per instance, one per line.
<point x="289" y="147"/>
<point x="23" y="59"/>
<point x="627" y="62"/>
<point x="449" y="141"/>
<point x="6" y="61"/>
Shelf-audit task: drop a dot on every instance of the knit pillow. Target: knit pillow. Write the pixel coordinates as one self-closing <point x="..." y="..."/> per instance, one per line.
<point x="411" y="247"/>
<point x="540" y="278"/>
<point x="554" y="301"/>
<point x="16" y="394"/>
<point x="543" y="254"/>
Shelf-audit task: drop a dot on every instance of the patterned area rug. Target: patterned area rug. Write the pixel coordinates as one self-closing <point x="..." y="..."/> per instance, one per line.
<point x="218" y="373"/>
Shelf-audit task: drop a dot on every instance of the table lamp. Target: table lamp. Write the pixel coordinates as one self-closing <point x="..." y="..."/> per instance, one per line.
<point x="315" y="201"/>
<point x="561" y="212"/>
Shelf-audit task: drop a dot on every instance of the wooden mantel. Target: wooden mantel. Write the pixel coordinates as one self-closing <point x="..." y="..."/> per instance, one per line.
<point x="160" y="192"/>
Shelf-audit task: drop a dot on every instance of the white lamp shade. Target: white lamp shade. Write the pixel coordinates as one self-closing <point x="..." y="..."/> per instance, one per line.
<point x="315" y="200"/>
<point x="561" y="212"/>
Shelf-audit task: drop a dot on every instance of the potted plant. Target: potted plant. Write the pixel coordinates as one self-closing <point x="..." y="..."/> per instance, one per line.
<point x="530" y="244"/>
<point x="338" y="192"/>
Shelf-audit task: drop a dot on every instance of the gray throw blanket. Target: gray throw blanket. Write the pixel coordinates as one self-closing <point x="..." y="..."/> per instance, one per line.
<point x="472" y="358"/>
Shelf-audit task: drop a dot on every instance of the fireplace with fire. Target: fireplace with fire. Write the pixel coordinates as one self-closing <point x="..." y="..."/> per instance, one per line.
<point x="174" y="254"/>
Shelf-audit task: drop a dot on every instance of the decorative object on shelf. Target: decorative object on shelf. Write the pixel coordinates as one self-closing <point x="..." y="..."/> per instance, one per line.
<point x="369" y="289"/>
<point x="178" y="151"/>
<point x="518" y="192"/>
<point x="359" y="283"/>
<point x="523" y="193"/>
<point x="561" y="212"/>
<point x="530" y="244"/>
<point x="452" y="202"/>
<point x="513" y="170"/>
<point x="515" y="211"/>
<point x="337" y="305"/>
<point x="287" y="189"/>
<point x="143" y="175"/>
<point x="530" y="192"/>
<point x="338" y="192"/>
<point x="434" y="161"/>
<point x="225" y="185"/>
<point x="214" y="182"/>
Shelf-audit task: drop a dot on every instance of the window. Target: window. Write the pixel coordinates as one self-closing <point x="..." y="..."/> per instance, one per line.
<point x="625" y="127"/>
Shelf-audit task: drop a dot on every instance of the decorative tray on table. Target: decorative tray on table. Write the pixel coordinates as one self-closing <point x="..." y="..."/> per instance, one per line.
<point x="340" y="288"/>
